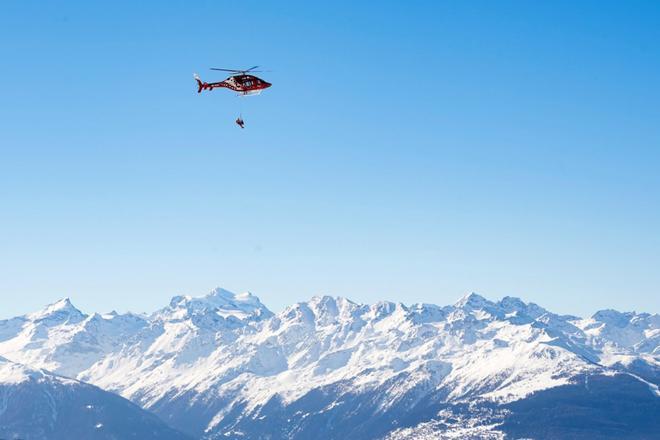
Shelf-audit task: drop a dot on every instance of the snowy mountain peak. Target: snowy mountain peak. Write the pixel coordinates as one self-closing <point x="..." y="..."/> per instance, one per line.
<point x="324" y="304"/>
<point x="613" y="317"/>
<point x="327" y="302"/>
<point x="62" y="310"/>
<point x="222" y="298"/>
<point x="381" y="309"/>
<point x="473" y="301"/>
<point x="509" y="308"/>
<point x="219" y="301"/>
<point x="513" y="303"/>
<point x="63" y="303"/>
<point x="329" y="310"/>
<point x="425" y="313"/>
<point x="517" y="306"/>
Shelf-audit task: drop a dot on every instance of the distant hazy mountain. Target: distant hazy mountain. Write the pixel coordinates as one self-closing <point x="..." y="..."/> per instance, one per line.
<point x="224" y="366"/>
<point x="37" y="405"/>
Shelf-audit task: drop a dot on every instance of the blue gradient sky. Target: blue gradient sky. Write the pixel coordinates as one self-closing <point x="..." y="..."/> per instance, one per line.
<point x="410" y="151"/>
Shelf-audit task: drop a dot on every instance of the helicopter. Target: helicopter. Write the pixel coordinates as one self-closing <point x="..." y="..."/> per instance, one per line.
<point x="241" y="82"/>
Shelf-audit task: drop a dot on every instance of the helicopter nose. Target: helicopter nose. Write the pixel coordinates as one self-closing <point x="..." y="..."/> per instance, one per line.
<point x="267" y="84"/>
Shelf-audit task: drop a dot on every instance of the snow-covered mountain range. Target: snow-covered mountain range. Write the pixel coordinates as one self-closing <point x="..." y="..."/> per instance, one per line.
<point x="224" y="366"/>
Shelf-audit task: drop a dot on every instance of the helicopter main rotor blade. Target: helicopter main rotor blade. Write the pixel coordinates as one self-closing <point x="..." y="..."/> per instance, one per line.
<point x="243" y="72"/>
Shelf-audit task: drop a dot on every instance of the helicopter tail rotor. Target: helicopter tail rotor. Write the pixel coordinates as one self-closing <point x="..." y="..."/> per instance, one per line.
<point x="200" y="83"/>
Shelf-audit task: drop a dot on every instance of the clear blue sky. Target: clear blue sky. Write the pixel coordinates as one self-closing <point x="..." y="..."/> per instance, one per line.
<point x="410" y="151"/>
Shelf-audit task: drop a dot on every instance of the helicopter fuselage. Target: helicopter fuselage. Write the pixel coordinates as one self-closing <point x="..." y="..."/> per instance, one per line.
<point x="243" y="84"/>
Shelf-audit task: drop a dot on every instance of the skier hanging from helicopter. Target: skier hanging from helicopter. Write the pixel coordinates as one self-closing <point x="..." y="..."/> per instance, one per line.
<point x="240" y="122"/>
<point x="241" y="82"/>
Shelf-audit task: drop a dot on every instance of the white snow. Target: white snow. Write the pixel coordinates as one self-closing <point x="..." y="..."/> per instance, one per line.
<point x="12" y="373"/>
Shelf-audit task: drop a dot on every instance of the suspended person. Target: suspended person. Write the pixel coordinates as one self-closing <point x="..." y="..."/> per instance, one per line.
<point x="240" y="122"/>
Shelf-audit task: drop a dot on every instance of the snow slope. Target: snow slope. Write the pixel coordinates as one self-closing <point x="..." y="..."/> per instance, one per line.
<point x="38" y="405"/>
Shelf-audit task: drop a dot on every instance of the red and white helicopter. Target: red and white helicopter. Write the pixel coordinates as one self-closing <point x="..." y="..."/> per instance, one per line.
<point x="241" y="82"/>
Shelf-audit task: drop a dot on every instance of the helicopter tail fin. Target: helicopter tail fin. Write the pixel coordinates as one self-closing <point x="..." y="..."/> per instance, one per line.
<point x="200" y="84"/>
